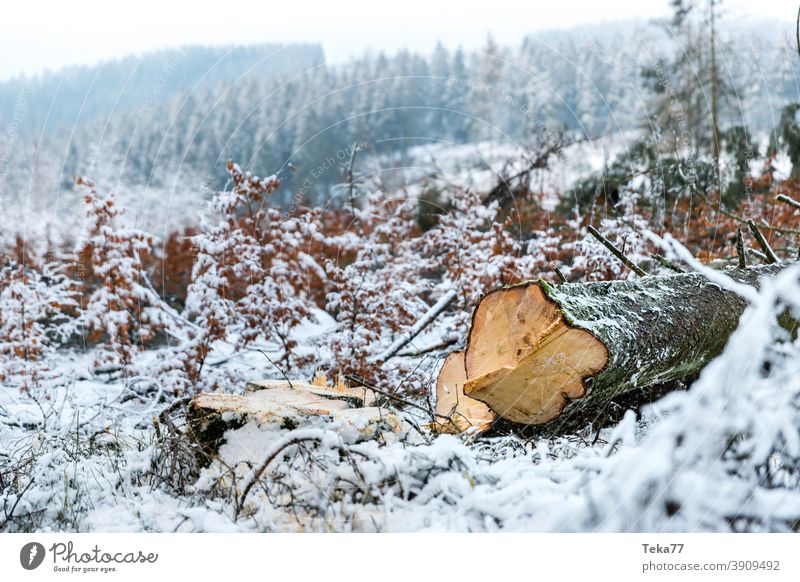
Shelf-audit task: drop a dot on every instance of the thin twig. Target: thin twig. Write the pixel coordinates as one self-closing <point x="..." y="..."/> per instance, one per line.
<point x="665" y="262"/>
<point x="768" y="227"/>
<point x="278" y="368"/>
<point x="757" y="254"/>
<point x="271" y="457"/>
<point x="10" y="514"/>
<point x="428" y="349"/>
<point x="740" y="248"/>
<point x="616" y="252"/>
<point x="762" y="242"/>
<point x="560" y="275"/>
<point x="365" y="384"/>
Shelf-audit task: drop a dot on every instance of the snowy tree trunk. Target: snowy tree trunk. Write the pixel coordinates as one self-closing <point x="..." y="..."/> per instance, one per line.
<point x="537" y="352"/>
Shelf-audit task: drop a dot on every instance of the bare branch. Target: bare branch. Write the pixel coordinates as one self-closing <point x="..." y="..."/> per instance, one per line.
<point x="786" y="200"/>
<point x="415" y="330"/>
<point x="285" y="377"/>
<point x="616" y="252"/>
<point x="762" y="242"/>
<point x="665" y="262"/>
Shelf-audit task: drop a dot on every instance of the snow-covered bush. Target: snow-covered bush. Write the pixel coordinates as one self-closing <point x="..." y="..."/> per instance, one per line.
<point x="476" y="252"/>
<point x="250" y="274"/>
<point x="121" y="311"/>
<point x="34" y="321"/>
<point x="380" y="293"/>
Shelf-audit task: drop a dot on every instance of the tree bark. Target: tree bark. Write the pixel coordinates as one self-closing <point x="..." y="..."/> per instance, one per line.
<point x="537" y="352"/>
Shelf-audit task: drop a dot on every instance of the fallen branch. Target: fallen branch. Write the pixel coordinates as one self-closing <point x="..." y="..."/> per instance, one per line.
<point x="762" y="242"/>
<point x="615" y="251"/>
<point x="665" y="262"/>
<point x="790" y="201"/>
<point x="414" y="331"/>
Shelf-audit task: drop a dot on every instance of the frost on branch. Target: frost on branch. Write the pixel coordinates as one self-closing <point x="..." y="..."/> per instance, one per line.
<point x="594" y="261"/>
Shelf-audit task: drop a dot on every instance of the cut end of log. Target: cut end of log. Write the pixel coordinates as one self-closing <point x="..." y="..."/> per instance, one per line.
<point x="455" y="411"/>
<point x="524" y="360"/>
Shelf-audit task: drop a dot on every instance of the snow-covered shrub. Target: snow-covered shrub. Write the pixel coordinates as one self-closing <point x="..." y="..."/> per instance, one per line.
<point x="121" y="311"/>
<point x="250" y="273"/>
<point x="380" y="293"/>
<point x="34" y="320"/>
<point x="476" y="252"/>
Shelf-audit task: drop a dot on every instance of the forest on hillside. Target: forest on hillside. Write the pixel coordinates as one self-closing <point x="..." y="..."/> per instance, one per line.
<point x="547" y="287"/>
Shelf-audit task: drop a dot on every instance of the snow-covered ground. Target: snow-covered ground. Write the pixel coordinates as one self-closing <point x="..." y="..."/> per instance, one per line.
<point x="96" y="454"/>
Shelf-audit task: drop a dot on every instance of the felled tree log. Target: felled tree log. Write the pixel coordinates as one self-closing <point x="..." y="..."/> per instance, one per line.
<point x="537" y="352"/>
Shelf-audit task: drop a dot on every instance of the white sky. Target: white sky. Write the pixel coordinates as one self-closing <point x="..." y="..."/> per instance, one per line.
<point x="39" y="34"/>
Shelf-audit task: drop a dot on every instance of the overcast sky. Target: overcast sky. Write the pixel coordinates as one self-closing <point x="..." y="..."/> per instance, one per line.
<point x="38" y="34"/>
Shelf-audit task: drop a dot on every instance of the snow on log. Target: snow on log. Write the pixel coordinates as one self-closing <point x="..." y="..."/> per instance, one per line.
<point x="536" y="352"/>
<point x="456" y="412"/>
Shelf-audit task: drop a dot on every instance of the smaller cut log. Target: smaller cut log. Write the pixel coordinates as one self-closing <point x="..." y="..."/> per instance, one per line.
<point x="284" y="406"/>
<point x="456" y="412"/>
